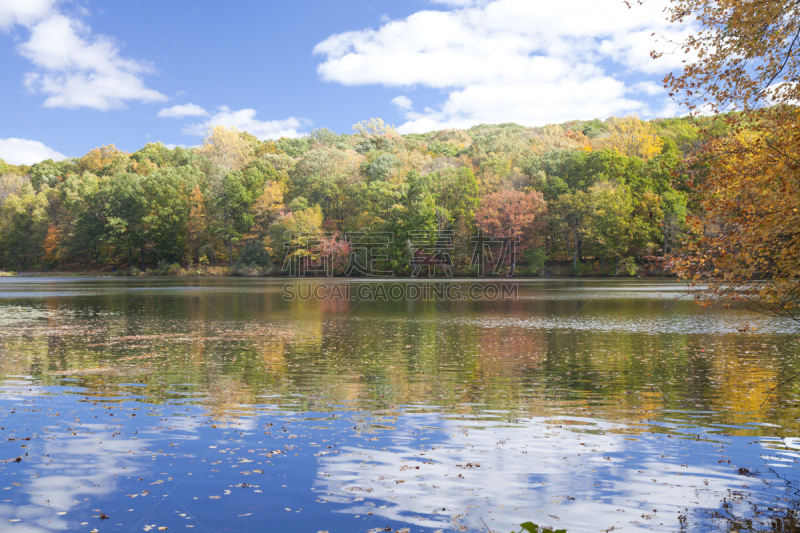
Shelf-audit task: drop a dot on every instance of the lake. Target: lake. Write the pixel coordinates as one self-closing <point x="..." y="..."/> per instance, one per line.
<point x="225" y="404"/>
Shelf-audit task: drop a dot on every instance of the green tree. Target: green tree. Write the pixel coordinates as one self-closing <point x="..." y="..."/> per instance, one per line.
<point x="568" y="214"/>
<point x="320" y="175"/>
<point x="455" y="190"/>
<point x="125" y="211"/>
<point x="416" y="211"/>
<point x="618" y="226"/>
<point x="23" y="226"/>
<point x="168" y="191"/>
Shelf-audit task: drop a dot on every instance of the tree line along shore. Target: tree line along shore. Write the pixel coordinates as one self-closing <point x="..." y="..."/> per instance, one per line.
<point x="595" y="197"/>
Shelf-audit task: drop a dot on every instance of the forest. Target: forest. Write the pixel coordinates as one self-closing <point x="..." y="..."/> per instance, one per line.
<point x="713" y="197"/>
<point x="596" y="197"/>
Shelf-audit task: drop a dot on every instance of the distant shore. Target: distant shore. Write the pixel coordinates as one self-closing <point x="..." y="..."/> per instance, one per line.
<point x="223" y="272"/>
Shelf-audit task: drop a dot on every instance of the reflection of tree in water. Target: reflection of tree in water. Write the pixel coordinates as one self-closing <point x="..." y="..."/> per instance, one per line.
<point x="227" y="400"/>
<point x="740" y="513"/>
<point x="745" y="517"/>
<point x="511" y="352"/>
<point x="381" y="358"/>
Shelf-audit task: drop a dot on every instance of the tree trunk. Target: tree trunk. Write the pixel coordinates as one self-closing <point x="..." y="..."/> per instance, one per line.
<point x="575" y="258"/>
<point x="513" y="258"/>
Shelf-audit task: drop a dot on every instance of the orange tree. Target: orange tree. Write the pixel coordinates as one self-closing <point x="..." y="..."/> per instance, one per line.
<point x="745" y="54"/>
<point x="747" y="230"/>
<point x="746" y="241"/>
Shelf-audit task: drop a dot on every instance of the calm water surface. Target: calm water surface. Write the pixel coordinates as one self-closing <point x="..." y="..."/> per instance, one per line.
<point x="216" y="405"/>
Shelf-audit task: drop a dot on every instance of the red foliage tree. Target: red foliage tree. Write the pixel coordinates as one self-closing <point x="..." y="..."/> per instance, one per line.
<point x="510" y="213"/>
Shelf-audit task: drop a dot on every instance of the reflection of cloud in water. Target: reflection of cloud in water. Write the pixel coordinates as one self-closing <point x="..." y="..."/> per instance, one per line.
<point x="590" y="481"/>
<point x="83" y="467"/>
<point x="64" y="468"/>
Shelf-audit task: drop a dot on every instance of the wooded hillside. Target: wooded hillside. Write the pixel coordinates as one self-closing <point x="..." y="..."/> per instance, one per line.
<point x="601" y="195"/>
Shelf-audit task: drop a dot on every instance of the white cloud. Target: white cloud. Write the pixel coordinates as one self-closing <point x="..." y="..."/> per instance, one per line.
<point x="459" y="3"/>
<point x="509" y="60"/>
<point x="783" y="93"/>
<point x="23" y="11"/>
<point x="26" y="152"/>
<point x="648" y="87"/>
<point x="402" y="102"/>
<point x="74" y="67"/>
<point x="245" y="120"/>
<point x="527" y="103"/>
<point x="184" y="110"/>
<point x="539" y="460"/>
<point x="172" y="146"/>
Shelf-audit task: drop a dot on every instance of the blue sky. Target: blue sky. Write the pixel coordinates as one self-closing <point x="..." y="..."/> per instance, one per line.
<point x="83" y="73"/>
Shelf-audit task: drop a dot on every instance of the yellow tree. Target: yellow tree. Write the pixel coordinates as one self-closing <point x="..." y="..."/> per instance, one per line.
<point x="10" y="184"/>
<point x="630" y="136"/>
<point x="292" y="232"/>
<point x="747" y="244"/>
<point x="99" y="158"/>
<point x="265" y="209"/>
<point x="374" y="126"/>
<point x="52" y="240"/>
<point x="197" y="225"/>
<point x="227" y="148"/>
<point x="744" y="56"/>
<point x="555" y="137"/>
<point x="493" y="172"/>
<point x="747" y="235"/>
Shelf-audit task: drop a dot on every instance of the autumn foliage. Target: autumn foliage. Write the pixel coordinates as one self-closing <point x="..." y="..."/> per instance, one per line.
<point x="744" y="56"/>
<point x="746" y="234"/>
<point x="630" y="136"/>
<point x="583" y="196"/>
<point x="511" y="213"/>
<point x="748" y="230"/>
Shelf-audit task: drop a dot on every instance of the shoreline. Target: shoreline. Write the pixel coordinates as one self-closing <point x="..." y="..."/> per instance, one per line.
<point x="198" y="274"/>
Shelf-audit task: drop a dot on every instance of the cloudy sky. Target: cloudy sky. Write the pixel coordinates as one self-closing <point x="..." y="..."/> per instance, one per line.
<point x="83" y="73"/>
